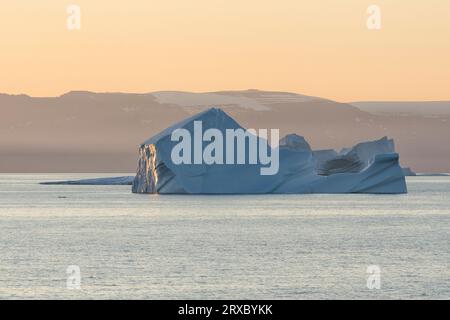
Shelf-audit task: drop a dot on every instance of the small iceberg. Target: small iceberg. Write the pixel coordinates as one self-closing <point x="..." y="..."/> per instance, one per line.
<point x="126" y="180"/>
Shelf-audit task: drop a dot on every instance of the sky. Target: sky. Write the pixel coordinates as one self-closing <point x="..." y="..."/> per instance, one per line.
<point x="321" y="48"/>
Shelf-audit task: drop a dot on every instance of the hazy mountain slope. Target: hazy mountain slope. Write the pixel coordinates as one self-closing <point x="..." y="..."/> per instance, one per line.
<point x="89" y="132"/>
<point x="424" y="108"/>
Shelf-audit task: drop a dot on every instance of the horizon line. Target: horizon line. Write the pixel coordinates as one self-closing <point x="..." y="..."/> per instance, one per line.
<point x="206" y="92"/>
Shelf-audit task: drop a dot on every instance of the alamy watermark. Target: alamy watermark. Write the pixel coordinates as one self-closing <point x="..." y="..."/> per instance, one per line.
<point x="74" y="17"/>
<point x="374" y="18"/>
<point x="236" y="147"/>
<point x="74" y="277"/>
<point x="374" y="278"/>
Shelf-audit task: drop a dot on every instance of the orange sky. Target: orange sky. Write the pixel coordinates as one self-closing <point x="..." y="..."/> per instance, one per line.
<point x="320" y="47"/>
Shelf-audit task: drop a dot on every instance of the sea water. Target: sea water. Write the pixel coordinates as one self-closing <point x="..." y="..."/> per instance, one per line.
<point x="138" y="246"/>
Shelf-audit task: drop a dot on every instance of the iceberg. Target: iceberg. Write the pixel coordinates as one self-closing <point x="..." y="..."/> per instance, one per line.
<point x="295" y="142"/>
<point x="365" y="151"/>
<point x="323" y="156"/>
<point x="340" y="164"/>
<point x="108" y="181"/>
<point x="354" y="159"/>
<point x="378" y="173"/>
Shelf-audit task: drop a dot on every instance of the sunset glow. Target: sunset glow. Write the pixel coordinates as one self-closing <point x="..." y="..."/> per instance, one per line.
<point x="321" y="48"/>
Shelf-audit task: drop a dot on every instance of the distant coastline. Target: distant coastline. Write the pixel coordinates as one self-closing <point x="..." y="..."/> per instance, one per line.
<point x="83" y="131"/>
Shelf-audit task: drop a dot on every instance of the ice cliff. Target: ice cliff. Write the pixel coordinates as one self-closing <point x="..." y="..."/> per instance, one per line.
<point x="370" y="167"/>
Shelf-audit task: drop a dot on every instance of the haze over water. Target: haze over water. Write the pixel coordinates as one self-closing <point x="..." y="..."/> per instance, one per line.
<point x="218" y="247"/>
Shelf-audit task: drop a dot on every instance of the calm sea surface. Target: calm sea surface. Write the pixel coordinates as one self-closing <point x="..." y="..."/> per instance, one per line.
<point x="218" y="247"/>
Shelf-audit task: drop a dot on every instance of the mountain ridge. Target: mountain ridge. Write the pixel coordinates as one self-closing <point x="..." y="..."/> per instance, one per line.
<point x="88" y="129"/>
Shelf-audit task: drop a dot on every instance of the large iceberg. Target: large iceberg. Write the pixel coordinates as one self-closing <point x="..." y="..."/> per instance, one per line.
<point x="376" y="172"/>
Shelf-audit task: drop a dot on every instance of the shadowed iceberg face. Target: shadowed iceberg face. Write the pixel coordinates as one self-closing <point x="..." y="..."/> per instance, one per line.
<point x="159" y="171"/>
<point x="355" y="159"/>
